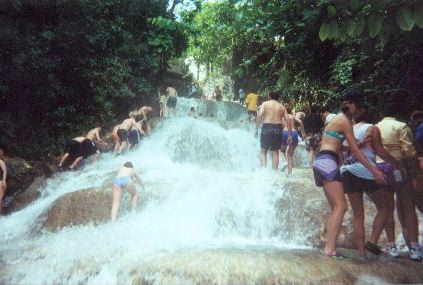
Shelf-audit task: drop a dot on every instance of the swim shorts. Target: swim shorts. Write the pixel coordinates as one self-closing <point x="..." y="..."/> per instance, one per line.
<point x="325" y="167"/>
<point x="122" y="134"/>
<point x="271" y="136"/>
<point x="355" y="184"/>
<point x="121" y="181"/>
<point x="294" y="141"/>
<point x="73" y="147"/>
<point x="88" y="148"/>
<point x="171" y="102"/>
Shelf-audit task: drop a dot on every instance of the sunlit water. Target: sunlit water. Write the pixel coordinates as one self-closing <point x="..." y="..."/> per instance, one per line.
<point x="208" y="193"/>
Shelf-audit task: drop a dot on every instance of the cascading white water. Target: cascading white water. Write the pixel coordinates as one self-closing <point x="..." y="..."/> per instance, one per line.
<point x="209" y="193"/>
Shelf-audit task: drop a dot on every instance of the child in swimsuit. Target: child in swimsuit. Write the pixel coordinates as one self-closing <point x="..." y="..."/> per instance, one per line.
<point x="123" y="181"/>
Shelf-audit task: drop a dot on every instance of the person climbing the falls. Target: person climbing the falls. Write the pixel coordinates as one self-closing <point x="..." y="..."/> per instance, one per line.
<point x="326" y="169"/>
<point x="358" y="180"/>
<point x="251" y="102"/>
<point x="124" y="181"/>
<point x="3" y="177"/>
<point x="271" y="115"/>
<point x="123" y="132"/>
<point x="171" y="100"/>
<point x="146" y="112"/>
<point x="72" y="153"/>
<point x="287" y="149"/>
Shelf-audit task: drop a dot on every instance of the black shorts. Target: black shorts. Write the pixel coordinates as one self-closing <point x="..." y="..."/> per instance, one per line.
<point x="354" y="184"/>
<point x="252" y="114"/>
<point x="122" y="134"/>
<point x="88" y="148"/>
<point x="73" y="148"/>
<point x="271" y="136"/>
<point x="171" y="102"/>
<point x="134" y="137"/>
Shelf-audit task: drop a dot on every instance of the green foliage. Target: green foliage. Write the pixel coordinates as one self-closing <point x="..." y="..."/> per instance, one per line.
<point x="312" y="51"/>
<point x="68" y="66"/>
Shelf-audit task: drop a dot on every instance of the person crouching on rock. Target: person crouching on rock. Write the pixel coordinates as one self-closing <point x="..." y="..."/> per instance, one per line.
<point x="327" y="174"/>
<point x="3" y="176"/>
<point x="123" y="181"/>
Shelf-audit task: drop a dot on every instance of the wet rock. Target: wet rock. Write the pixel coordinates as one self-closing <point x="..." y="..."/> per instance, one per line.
<point x="270" y="267"/>
<point x="26" y="175"/>
<point x="26" y="197"/>
<point x="78" y="208"/>
<point x="303" y="204"/>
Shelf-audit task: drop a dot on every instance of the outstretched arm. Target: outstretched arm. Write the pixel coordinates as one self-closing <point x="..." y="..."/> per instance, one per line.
<point x="4" y="169"/>
<point x="139" y="180"/>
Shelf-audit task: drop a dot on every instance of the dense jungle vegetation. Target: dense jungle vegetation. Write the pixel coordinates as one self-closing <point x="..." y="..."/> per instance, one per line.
<point x="69" y="65"/>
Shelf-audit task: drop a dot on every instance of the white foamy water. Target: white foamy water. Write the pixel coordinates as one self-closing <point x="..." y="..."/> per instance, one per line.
<point x="209" y="193"/>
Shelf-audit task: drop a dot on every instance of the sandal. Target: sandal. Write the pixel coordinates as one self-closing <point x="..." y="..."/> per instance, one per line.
<point x="338" y="256"/>
<point x="373" y="248"/>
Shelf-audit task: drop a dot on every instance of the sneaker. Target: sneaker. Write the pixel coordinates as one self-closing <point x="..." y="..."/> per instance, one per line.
<point x="371" y="247"/>
<point x="392" y="250"/>
<point x="414" y="254"/>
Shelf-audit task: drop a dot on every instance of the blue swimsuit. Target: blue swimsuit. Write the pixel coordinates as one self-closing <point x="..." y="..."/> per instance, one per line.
<point x="121" y="181"/>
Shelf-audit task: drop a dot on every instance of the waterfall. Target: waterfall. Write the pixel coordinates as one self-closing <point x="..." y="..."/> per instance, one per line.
<point x="210" y="204"/>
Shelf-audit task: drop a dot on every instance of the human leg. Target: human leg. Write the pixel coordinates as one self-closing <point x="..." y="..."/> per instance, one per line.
<point x="275" y="159"/>
<point x="384" y="202"/>
<point x="263" y="157"/>
<point x="334" y="191"/>
<point x="356" y="202"/>
<point x="116" y="195"/>
<point x="291" y="150"/>
<point x="134" y="195"/>
<point x="407" y="215"/>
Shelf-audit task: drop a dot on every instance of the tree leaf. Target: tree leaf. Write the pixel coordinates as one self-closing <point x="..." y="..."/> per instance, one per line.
<point x="333" y="30"/>
<point x="324" y="31"/>
<point x="355" y="6"/>
<point x="331" y="11"/>
<point x="350" y="27"/>
<point x="405" y="19"/>
<point x="374" y="24"/>
<point x="418" y="14"/>
<point x="359" y="26"/>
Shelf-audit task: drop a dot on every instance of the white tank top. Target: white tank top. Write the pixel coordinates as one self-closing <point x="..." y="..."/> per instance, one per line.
<point x="357" y="168"/>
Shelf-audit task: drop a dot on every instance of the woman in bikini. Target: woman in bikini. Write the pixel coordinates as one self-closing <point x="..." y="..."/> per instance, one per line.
<point x="287" y="150"/>
<point x="326" y="167"/>
<point x="123" y="181"/>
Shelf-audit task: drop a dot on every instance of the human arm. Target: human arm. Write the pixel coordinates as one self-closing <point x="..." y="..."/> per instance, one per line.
<point x="349" y="135"/>
<point x="288" y="125"/>
<point x="4" y="169"/>
<point x="302" y="130"/>
<point x="139" y="180"/>
<point x="259" y="119"/>
<point x="98" y="139"/>
<point x="65" y="156"/>
<point x="406" y="142"/>
<point x="378" y="146"/>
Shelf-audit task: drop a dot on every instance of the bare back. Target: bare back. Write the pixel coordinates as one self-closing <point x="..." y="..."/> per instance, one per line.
<point x="128" y="124"/>
<point x="272" y="112"/>
<point x="93" y="134"/>
<point x="172" y="92"/>
<point x="125" y="171"/>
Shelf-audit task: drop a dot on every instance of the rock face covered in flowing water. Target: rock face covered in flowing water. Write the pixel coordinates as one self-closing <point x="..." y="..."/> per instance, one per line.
<point x="209" y="215"/>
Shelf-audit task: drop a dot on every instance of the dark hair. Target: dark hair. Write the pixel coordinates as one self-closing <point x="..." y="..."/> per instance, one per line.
<point x="289" y="110"/>
<point x="192" y="109"/>
<point x="128" y="164"/>
<point x="273" y="95"/>
<point x="314" y="109"/>
<point x="357" y="97"/>
<point x="363" y="115"/>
